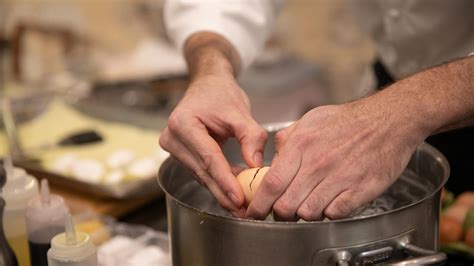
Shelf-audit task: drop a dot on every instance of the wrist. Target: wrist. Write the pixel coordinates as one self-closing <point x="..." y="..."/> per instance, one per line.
<point x="209" y="54"/>
<point x="396" y="115"/>
<point x="209" y="62"/>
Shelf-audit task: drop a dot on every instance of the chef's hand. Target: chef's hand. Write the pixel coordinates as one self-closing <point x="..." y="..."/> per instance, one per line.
<point x="334" y="160"/>
<point x="213" y="109"/>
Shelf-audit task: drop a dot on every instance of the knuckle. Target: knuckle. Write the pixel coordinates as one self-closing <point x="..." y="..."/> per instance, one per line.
<point x="225" y="205"/>
<point x="250" y="132"/>
<point x="280" y="137"/>
<point x="283" y="209"/>
<point x="307" y="214"/>
<point x="272" y="182"/>
<point x="239" y="126"/>
<point x="338" y="209"/>
<point x="206" y="162"/>
<point x="321" y="161"/>
<point x="200" y="176"/>
<point x="175" y="122"/>
<point x="164" y="140"/>
<point x="310" y="209"/>
<point x="257" y="211"/>
<point x="261" y="135"/>
<point x="303" y="140"/>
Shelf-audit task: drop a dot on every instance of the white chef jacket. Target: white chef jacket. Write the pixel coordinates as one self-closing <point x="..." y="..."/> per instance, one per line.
<point x="410" y="35"/>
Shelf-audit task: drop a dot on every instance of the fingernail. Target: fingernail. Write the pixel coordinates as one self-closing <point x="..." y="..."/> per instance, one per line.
<point x="233" y="198"/>
<point x="258" y="158"/>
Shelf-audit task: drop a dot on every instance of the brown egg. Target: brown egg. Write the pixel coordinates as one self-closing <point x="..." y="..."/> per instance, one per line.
<point x="250" y="179"/>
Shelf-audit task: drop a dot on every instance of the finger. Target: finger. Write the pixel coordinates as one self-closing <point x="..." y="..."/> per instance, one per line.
<point x="281" y="138"/>
<point x="282" y="135"/>
<point x="210" y="157"/>
<point x="274" y="183"/>
<point x="299" y="189"/>
<point x="252" y="138"/>
<point x="348" y="201"/>
<point x="277" y="217"/>
<point x="236" y="169"/>
<point x="182" y="154"/>
<point x="322" y="195"/>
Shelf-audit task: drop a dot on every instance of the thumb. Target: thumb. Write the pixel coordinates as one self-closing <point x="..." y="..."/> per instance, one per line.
<point x="252" y="138"/>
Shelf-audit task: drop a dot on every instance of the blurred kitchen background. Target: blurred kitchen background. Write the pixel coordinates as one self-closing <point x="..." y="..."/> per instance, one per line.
<point x="106" y="67"/>
<point x="86" y="44"/>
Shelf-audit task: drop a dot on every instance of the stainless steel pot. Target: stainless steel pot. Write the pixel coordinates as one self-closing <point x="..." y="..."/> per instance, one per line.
<point x="203" y="234"/>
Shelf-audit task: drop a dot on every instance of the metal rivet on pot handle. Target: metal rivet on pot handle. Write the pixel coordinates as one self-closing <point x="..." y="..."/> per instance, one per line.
<point x="343" y="258"/>
<point x="427" y="257"/>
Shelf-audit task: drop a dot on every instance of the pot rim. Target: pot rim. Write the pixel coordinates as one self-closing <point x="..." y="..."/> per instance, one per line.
<point x="437" y="155"/>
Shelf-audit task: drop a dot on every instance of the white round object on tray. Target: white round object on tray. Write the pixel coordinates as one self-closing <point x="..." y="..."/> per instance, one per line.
<point x="120" y="158"/>
<point x="114" y="177"/>
<point x="144" y="167"/>
<point x="64" y="163"/>
<point x="88" y="170"/>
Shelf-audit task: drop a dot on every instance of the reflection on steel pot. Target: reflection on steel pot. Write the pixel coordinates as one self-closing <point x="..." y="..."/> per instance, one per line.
<point x="405" y="233"/>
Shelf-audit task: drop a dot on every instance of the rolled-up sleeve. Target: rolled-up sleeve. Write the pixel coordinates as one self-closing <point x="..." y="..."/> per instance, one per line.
<point x="246" y="24"/>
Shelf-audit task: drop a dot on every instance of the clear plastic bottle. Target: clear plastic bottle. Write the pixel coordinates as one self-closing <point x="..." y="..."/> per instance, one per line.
<point x="72" y="248"/>
<point x="45" y="218"/>
<point x="19" y="189"/>
<point x="7" y="257"/>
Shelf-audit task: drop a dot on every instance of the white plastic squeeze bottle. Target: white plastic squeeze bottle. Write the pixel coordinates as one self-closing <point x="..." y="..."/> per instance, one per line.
<point x="72" y="248"/>
<point x="17" y="192"/>
<point x="45" y="218"/>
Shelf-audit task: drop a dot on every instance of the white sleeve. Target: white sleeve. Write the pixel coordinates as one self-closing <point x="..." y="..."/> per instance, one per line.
<point x="246" y="24"/>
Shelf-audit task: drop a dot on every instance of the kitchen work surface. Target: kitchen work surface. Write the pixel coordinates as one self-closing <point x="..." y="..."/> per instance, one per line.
<point x="118" y="173"/>
<point x="122" y="165"/>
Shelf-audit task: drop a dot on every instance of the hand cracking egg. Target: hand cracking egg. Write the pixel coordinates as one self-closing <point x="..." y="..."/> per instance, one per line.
<point x="250" y="179"/>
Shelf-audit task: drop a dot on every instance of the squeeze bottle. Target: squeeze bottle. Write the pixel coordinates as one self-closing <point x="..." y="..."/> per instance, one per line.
<point x="19" y="189"/>
<point x="72" y="248"/>
<point x="45" y="218"/>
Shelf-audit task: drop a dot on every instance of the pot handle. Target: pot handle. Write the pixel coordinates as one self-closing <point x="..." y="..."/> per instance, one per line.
<point x="423" y="256"/>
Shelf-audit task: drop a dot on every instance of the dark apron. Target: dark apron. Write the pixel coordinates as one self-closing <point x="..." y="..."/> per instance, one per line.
<point x="456" y="145"/>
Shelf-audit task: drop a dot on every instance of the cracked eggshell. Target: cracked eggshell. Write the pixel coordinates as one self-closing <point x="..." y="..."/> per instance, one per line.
<point x="250" y="179"/>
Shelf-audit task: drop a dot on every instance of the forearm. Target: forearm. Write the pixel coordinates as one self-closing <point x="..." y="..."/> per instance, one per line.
<point x="208" y="53"/>
<point x="431" y="101"/>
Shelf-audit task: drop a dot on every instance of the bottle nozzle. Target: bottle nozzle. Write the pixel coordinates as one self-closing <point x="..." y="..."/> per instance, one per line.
<point x="8" y="165"/>
<point x="70" y="231"/>
<point x="44" y="191"/>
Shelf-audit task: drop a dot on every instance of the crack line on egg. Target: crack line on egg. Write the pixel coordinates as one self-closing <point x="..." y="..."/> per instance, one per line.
<point x="254" y="176"/>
